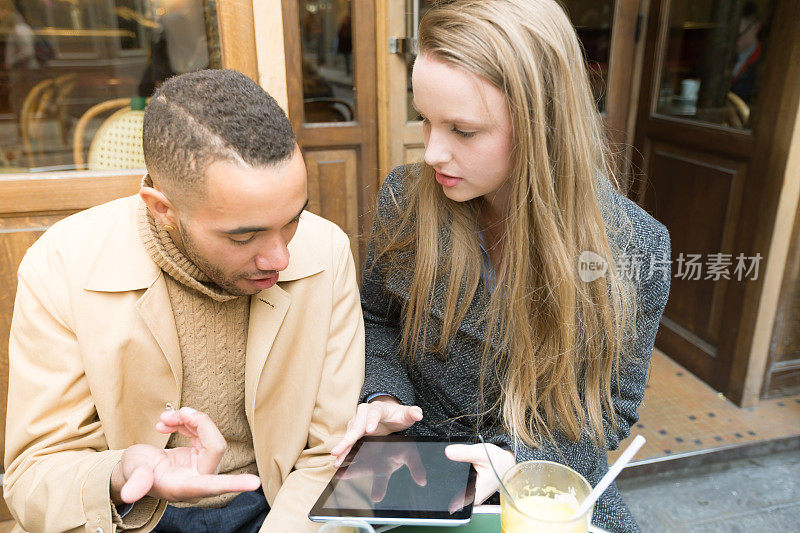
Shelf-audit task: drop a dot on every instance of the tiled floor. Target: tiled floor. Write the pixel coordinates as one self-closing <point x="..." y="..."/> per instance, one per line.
<point x="681" y="414"/>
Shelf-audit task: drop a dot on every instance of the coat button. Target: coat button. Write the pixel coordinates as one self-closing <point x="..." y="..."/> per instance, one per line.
<point x="98" y="530"/>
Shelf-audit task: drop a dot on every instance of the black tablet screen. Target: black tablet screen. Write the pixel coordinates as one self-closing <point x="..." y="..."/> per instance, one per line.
<point x="386" y="475"/>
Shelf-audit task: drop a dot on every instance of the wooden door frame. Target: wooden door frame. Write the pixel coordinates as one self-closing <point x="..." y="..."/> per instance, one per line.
<point x="767" y="149"/>
<point x="624" y="75"/>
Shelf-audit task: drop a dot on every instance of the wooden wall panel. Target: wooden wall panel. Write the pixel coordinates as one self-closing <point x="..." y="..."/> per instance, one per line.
<point x="238" y="36"/>
<point x="332" y="190"/>
<point x="413" y="154"/>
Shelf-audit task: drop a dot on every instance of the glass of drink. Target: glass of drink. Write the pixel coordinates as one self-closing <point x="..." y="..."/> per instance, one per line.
<point x="546" y="495"/>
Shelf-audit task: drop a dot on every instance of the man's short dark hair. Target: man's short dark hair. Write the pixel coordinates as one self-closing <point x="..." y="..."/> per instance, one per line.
<point x="198" y="118"/>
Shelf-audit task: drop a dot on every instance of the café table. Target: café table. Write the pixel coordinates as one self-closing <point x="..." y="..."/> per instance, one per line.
<point x="485" y="519"/>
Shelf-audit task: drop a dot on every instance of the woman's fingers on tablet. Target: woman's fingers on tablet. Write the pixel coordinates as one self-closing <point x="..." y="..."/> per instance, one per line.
<point x="399" y="417"/>
<point x="463" y="453"/>
<point x="412" y="414"/>
<point x="375" y="414"/>
<point x="355" y="430"/>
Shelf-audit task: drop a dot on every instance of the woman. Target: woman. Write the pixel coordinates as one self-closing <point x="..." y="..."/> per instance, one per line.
<point x="480" y="313"/>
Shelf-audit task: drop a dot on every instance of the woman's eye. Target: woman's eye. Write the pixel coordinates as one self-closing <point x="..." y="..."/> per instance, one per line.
<point x="465" y="134"/>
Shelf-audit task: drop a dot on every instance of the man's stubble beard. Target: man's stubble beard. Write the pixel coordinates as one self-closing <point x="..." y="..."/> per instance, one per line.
<point x="213" y="272"/>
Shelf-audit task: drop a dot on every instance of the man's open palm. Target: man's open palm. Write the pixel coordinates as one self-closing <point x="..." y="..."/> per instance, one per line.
<point x="178" y="474"/>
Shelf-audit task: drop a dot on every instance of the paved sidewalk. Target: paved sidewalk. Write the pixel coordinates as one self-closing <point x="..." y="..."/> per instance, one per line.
<point x="759" y="494"/>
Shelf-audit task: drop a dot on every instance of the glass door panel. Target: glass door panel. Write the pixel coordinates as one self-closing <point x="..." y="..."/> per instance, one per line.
<point x="593" y="20"/>
<point x="711" y="64"/>
<point x="326" y="37"/>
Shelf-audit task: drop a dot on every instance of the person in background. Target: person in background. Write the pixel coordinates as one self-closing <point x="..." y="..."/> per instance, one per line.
<point x="178" y="46"/>
<point x="183" y="360"/>
<point x="748" y="54"/>
<point x="23" y="56"/>
<point x="496" y="295"/>
<point x="344" y="42"/>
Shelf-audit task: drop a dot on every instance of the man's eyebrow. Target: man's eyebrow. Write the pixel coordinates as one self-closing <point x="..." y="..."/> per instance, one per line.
<point x="256" y="229"/>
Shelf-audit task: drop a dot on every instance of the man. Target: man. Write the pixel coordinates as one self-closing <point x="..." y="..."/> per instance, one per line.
<point x="213" y="290"/>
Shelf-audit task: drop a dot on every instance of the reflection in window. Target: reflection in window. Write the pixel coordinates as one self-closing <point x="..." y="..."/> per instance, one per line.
<point x="713" y="61"/>
<point x="61" y="58"/>
<point x="593" y="20"/>
<point x="326" y="37"/>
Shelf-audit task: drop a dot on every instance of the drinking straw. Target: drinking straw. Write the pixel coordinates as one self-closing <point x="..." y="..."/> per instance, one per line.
<point x="612" y="473"/>
<point x="499" y="480"/>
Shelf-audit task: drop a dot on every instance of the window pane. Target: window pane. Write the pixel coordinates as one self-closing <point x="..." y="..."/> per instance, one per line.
<point x="326" y="38"/>
<point x="593" y="20"/>
<point x="60" y="59"/>
<point x="713" y="61"/>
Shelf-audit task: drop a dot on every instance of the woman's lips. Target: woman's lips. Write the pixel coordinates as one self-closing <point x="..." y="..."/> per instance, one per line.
<point x="447" y="181"/>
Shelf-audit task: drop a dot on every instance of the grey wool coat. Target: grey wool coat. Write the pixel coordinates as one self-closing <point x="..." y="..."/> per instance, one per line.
<point x="447" y="390"/>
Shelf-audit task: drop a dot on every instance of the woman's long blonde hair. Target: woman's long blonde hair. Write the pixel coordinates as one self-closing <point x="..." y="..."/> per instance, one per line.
<point x="553" y="341"/>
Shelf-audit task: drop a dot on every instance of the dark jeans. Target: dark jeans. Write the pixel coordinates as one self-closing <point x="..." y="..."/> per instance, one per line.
<point x="244" y="514"/>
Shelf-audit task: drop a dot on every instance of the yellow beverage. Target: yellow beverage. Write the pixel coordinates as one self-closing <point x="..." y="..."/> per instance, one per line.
<point x="546" y="496"/>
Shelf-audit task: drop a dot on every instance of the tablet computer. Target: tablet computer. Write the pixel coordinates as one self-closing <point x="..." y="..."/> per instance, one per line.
<point x="399" y="480"/>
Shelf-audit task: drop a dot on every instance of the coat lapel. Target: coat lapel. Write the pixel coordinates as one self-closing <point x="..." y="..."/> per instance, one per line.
<point x="156" y="311"/>
<point x="268" y="308"/>
<point x="123" y="265"/>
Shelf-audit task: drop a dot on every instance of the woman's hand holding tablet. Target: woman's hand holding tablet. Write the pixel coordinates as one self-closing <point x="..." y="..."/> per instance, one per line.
<point x="486" y="483"/>
<point x="385" y="415"/>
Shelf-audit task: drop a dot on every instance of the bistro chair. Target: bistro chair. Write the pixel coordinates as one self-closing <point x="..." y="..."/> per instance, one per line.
<point x="44" y="105"/>
<point x="117" y="144"/>
<point x="737" y="112"/>
<point x="325" y="109"/>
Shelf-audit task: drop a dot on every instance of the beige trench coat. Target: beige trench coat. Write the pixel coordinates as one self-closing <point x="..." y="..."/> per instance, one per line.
<point x="94" y="359"/>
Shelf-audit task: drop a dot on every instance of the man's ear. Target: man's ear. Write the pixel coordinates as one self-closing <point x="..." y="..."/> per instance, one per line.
<point x="162" y="209"/>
